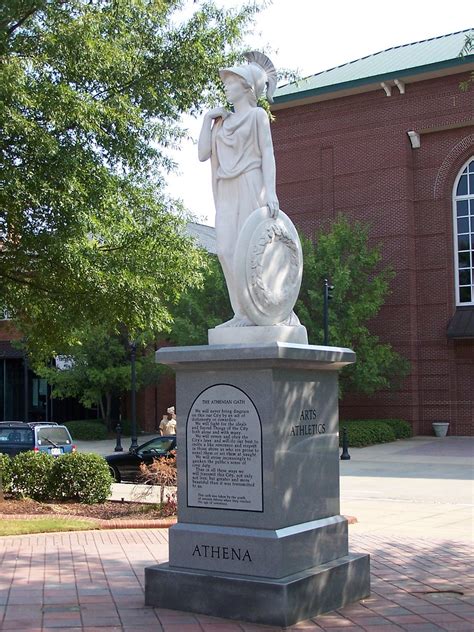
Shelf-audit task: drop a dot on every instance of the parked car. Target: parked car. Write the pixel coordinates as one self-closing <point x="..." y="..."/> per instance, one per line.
<point x="18" y="436"/>
<point x="125" y="466"/>
<point x="42" y="423"/>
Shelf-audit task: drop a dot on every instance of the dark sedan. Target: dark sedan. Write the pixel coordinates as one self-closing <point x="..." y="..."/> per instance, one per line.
<point x="125" y="466"/>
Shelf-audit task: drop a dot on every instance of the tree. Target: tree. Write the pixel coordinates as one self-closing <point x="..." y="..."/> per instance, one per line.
<point x="465" y="51"/>
<point x="99" y="369"/>
<point x="201" y="308"/>
<point x="91" y="94"/>
<point x="360" y="287"/>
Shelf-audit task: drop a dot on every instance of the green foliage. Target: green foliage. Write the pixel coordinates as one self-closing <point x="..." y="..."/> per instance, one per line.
<point x="96" y="430"/>
<point x="6" y="472"/>
<point x="91" y="97"/>
<point x="201" y="308"/>
<point x="467" y="49"/>
<point x="126" y="427"/>
<point x="45" y="525"/>
<point x="31" y="475"/>
<point x="360" y="287"/>
<point x="401" y="428"/>
<point x="100" y="369"/>
<point x="87" y="430"/>
<point x="364" y="432"/>
<point x="84" y="478"/>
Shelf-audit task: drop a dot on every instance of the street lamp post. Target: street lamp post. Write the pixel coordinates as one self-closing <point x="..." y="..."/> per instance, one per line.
<point x="327" y="297"/>
<point x="26" y="388"/>
<point x="133" y="353"/>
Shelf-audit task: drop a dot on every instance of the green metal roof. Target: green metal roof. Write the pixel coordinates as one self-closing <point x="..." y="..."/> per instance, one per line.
<point x="409" y="59"/>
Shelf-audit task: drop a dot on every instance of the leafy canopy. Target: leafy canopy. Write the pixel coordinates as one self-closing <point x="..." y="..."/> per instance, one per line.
<point x="91" y="94"/>
<point x="343" y="255"/>
<point x="201" y="308"/>
<point x="98" y="369"/>
<point x="361" y="286"/>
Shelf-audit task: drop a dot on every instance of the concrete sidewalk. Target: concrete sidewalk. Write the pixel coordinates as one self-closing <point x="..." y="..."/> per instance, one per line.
<point x="418" y="487"/>
<point x="413" y="501"/>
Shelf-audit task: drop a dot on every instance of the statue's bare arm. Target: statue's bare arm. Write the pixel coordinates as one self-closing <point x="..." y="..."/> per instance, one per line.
<point x="204" y="142"/>
<point x="268" y="162"/>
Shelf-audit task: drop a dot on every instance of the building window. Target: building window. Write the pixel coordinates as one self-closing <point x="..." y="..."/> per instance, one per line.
<point x="463" y="198"/>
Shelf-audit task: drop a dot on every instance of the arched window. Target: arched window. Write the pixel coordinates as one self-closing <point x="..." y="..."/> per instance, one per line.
<point x="463" y="199"/>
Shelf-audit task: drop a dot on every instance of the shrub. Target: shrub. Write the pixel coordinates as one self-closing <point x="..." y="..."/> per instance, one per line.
<point x="401" y="428"/>
<point x="6" y="472"/>
<point x="161" y="472"/>
<point x="93" y="430"/>
<point x="81" y="477"/>
<point x="361" y="433"/>
<point x="31" y="475"/>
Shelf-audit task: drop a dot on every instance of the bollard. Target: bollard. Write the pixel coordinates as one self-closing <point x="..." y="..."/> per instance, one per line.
<point x="118" y="445"/>
<point x="345" y="456"/>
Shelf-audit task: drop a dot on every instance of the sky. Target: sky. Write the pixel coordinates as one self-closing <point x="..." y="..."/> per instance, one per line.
<point x="309" y="36"/>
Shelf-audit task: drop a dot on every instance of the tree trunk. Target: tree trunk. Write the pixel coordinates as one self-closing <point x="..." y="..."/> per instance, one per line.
<point x="108" y="409"/>
<point x="101" y="406"/>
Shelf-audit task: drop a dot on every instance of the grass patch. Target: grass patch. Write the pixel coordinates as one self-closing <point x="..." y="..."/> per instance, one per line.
<point x="43" y="525"/>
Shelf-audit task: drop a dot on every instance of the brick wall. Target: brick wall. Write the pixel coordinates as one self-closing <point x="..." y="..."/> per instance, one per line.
<point x="352" y="155"/>
<point x="7" y="331"/>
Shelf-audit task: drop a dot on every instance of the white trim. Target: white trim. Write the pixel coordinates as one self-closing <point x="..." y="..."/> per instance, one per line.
<point x="456" y="198"/>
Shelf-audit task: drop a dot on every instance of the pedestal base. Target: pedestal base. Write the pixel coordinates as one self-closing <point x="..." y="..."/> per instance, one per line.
<point x="258" y="335"/>
<point x="282" y="602"/>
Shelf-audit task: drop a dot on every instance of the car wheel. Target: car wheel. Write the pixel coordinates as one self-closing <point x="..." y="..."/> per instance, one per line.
<point x="114" y="473"/>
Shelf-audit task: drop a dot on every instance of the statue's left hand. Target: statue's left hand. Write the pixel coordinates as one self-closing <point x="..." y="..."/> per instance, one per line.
<point x="273" y="207"/>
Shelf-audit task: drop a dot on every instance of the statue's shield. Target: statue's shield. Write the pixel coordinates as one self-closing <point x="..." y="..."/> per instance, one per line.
<point x="268" y="266"/>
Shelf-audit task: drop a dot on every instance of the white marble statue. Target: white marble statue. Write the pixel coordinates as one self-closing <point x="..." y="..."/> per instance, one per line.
<point x="239" y="145"/>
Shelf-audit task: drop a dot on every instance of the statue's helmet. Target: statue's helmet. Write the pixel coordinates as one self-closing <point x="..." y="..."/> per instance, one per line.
<point x="257" y="74"/>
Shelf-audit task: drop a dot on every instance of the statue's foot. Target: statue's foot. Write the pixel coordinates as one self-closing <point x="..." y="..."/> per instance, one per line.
<point x="291" y="321"/>
<point x="237" y="321"/>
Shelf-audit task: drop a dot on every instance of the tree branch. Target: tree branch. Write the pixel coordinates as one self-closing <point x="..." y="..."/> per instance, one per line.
<point x="17" y="25"/>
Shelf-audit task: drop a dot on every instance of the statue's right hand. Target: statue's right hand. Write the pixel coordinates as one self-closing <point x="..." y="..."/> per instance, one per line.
<point x="219" y="112"/>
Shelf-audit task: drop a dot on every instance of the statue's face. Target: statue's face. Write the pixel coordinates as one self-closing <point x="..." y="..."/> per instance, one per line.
<point x="234" y="88"/>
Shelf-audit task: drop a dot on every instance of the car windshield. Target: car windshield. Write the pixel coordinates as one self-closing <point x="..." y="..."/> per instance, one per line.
<point x="16" y="435"/>
<point x="157" y="445"/>
<point x="53" y="434"/>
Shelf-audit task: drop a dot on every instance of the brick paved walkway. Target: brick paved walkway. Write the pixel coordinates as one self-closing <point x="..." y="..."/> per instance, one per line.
<point x="94" y="581"/>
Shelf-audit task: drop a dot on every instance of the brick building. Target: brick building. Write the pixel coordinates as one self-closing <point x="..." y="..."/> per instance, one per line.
<point x="388" y="139"/>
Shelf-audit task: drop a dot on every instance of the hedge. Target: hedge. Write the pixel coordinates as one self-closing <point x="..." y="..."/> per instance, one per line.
<point x="96" y="430"/>
<point x="93" y="430"/>
<point x="126" y="427"/>
<point x="6" y="471"/>
<point x="84" y="478"/>
<point x="80" y="477"/>
<point x="402" y="429"/>
<point x="364" y="432"/>
<point x="31" y="475"/>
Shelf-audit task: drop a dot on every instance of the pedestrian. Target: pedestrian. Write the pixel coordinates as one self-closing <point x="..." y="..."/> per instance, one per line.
<point x="168" y="423"/>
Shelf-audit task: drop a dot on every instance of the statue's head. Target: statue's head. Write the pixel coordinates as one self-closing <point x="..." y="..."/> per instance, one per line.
<point x="255" y="76"/>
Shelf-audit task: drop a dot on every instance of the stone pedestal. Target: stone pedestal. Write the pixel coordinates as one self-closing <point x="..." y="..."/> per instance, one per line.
<point x="260" y="537"/>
